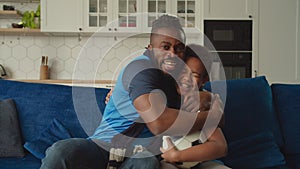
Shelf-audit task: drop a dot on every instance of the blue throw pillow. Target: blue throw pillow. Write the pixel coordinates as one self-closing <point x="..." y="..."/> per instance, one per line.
<point x="54" y="132"/>
<point x="255" y="151"/>
<point x="287" y="103"/>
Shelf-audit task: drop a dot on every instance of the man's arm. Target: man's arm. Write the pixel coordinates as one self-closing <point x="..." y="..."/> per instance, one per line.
<point x="161" y="119"/>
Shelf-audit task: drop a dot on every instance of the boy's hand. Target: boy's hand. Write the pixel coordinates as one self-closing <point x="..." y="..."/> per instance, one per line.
<point x="170" y="153"/>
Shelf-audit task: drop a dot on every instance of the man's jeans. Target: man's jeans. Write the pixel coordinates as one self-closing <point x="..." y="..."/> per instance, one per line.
<point x="143" y="160"/>
<point x="80" y="153"/>
<point x="75" y="153"/>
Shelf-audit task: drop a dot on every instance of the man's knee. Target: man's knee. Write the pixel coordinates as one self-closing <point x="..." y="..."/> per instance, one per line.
<point x="63" y="147"/>
<point x="64" y="152"/>
<point x="144" y="160"/>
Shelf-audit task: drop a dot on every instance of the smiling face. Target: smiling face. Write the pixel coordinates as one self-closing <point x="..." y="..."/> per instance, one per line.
<point x="168" y="49"/>
<point x="198" y="70"/>
<point x="185" y="81"/>
<point x="193" y="76"/>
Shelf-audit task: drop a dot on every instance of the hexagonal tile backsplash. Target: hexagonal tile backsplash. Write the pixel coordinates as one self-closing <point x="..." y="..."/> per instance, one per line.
<point x="88" y="59"/>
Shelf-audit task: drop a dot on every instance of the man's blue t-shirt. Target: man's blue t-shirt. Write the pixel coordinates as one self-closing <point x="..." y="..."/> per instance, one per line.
<point x="139" y="77"/>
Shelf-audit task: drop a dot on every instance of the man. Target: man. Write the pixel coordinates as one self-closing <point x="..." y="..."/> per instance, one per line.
<point x="145" y="93"/>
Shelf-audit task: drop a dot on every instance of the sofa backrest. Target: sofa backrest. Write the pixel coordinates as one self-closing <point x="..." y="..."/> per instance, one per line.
<point x="77" y="108"/>
<point x="251" y="124"/>
<point x="287" y="104"/>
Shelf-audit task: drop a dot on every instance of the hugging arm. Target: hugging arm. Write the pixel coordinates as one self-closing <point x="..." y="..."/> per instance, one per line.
<point x="215" y="147"/>
<point x="162" y="119"/>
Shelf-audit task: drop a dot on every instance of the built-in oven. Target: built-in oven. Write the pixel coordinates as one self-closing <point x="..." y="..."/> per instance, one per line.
<point x="231" y="41"/>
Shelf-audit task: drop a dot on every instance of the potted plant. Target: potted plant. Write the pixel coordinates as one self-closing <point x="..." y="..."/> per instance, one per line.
<point x="31" y="19"/>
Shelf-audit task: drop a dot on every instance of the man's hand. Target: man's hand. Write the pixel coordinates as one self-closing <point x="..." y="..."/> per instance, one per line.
<point x="195" y="101"/>
<point x="213" y="118"/>
<point x="205" y="100"/>
<point x="191" y="102"/>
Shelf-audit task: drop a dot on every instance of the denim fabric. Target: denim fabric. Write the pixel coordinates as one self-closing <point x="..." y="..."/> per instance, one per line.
<point x="142" y="160"/>
<point x="80" y="153"/>
<point x="75" y="153"/>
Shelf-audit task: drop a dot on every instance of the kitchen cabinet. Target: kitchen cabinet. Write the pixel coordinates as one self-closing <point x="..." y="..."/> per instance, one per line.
<point x="116" y="16"/>
<point x="61" y="16"/>
<point x="278" y="47"/>
<point x="188" y="10"/>
<point x="229" y="9"/>
<point x="137" y="16"/>
<point x="112" y="16"/>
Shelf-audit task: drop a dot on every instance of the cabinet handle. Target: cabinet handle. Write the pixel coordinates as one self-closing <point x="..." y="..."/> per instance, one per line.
<point x="109" y="29"/>
<point x="255" y="73"/>
<point x="116" y="29"/>
<point x="80" y="29"/>
<point x="250" y="16"/>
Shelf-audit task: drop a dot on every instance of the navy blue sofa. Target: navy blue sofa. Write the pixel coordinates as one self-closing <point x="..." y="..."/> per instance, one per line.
<point x="261" y="120"/>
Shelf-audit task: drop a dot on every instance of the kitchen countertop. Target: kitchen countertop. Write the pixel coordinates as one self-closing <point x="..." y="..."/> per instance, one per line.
<point x="71" y="82"/>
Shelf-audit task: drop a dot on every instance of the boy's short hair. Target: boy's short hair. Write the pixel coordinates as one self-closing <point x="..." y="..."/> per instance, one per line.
<point x="200" y="52"/>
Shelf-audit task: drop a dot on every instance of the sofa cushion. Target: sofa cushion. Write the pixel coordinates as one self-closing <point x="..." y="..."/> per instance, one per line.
<point x="248" y="110"/>
<point x="54" y="132"/>
<point x="11" y="144"/>
<point x="27" y="162"/>
<point x="254" y="151"/>
<point x="287" y="103"/>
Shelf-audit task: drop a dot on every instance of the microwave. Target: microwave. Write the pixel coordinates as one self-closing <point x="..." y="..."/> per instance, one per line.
<point x="228" y="35"/>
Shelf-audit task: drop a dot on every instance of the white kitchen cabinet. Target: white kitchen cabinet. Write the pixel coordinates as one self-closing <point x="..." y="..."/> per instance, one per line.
<point x="190" y="13"/>
<point x="278" y="47"/>
<point x="136" y="16"/>
<point x="228" y="9"/>
<point x="188" y="10"/>
<point x="112" y="16"/>
<point x="61" y="15"/>
<point x="116" y="16"/>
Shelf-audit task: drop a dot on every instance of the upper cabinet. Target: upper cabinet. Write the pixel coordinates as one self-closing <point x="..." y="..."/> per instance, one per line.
<point x="229" y="9"/>
<point x="189" y="12"/>
<point x="112" y="16"/>
<point x="137" y="15"/>
<point x="61" y="16"/>
<point x="116" y="16"/>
